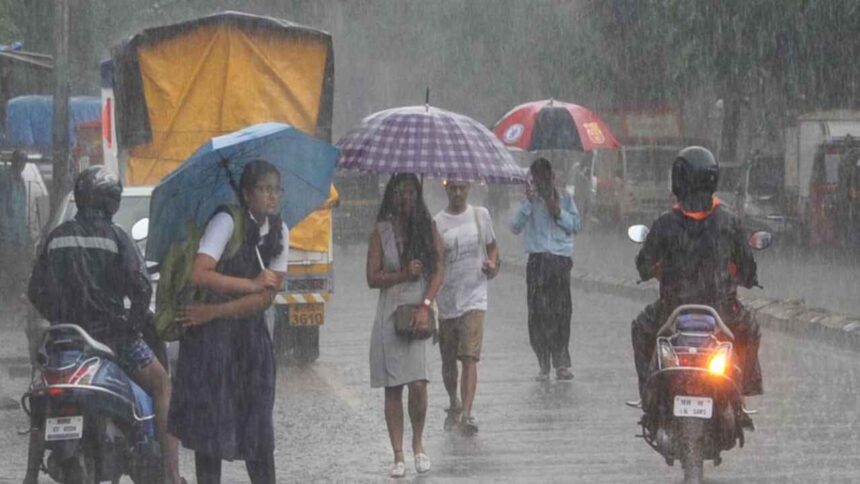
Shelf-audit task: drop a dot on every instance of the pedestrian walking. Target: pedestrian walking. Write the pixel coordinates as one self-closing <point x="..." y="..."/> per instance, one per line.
<point x="549" y="219"/>
<point x="471" y="258"/>
<point x="225" y="375"/>
<point x="16" y="245"/>
<point x="405" y="261"/>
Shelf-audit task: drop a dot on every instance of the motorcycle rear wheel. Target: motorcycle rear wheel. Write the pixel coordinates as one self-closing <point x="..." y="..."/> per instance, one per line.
<point x="80" y="468"/>
<point x="691" y="434"/>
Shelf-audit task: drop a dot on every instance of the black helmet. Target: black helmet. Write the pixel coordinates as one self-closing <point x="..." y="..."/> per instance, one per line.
<point x="695" y="174"/>
<point x="97" y="188"/>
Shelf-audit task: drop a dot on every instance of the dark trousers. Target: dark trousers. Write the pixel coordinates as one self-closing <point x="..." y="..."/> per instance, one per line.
<point x="208" y="468"/>
<point x="643" y="333"/>
<point x="548" y="282"/>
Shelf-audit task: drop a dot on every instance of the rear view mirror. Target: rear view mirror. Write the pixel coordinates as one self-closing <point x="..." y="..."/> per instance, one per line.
<point x="638" y="233"/>
<point x="760" y="240"/>
<point x="140" y="229"/>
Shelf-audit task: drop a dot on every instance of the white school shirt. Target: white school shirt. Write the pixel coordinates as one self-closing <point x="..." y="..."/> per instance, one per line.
<point x="465" y="286"/>
<point x="220" y="229"/>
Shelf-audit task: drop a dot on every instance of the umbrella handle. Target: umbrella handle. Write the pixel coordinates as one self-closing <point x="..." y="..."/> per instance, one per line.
<point x="259" y="258"/>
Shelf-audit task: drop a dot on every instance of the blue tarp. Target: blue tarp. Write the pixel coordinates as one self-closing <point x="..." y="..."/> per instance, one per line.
<point x="29" y="119"/>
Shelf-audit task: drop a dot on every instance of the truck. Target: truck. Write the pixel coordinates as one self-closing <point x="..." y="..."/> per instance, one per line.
<point x="169" y="89"/>
<point x="814" y="148"/>
<point x="633" y="182"/>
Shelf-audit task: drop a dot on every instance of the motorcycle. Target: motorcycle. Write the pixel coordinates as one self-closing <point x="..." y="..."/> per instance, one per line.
<point x="692" y="402"/>
<point x="94" y="422"/>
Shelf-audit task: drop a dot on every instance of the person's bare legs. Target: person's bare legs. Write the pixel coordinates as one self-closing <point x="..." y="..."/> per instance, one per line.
<point x="154" y="381"/>
<point x="449" y="378"/>
<point x="469" y="384"/>
<point x="417" y="413"/>
<point x="394" y="419"/>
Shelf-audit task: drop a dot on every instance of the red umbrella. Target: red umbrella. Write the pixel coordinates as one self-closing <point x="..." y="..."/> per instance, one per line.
<point x="554" y="125"/>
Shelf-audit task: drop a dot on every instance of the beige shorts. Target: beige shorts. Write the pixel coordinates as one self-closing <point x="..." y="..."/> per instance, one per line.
<point x="462" y="337"/>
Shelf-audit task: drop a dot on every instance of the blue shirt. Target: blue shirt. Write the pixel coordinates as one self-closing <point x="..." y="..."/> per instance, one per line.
<point x="543" y="232"/>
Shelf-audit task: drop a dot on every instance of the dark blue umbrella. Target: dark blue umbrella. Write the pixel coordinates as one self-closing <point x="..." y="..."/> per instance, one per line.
<point x="194" y="191"/>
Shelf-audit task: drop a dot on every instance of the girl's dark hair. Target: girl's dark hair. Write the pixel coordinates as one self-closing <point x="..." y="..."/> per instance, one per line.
<point x="252" y="173"/>
<point x="419" y="227"/>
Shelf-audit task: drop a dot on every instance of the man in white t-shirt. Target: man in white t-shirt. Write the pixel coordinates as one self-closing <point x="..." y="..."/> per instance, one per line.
<point x="471" y="258"/>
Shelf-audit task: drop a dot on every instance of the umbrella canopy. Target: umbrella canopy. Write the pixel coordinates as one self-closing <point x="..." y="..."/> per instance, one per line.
<point x="428" y="141"/>
<point x="201" y="183"/>
<point x="554" y="125"/>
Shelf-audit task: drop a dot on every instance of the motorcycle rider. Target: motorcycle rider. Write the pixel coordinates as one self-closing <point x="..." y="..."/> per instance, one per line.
<point x="699" y="253"/>
<point x="85" y="270"/>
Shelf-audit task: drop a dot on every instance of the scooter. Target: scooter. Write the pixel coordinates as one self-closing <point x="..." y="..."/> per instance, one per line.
<point x="692" y="400"/>
<point x="92" y="420"/>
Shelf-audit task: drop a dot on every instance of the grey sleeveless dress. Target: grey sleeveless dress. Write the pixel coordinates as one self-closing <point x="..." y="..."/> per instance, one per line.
<point x="396" y="361"/>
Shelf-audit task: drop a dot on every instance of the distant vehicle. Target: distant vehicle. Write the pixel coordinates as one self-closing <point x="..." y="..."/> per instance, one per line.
<point x="632" y="182"/>
<point x="813" y="149"/>
<point x="760" y="198"/>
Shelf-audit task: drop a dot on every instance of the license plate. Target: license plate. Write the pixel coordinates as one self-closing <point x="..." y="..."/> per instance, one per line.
<point x="312" y="314"/>
<point x="698" y="407"/>
<point x="64" y="428"/>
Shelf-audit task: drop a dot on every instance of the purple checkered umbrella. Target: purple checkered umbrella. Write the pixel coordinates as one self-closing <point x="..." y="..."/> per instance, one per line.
<point x="428" y="141"/>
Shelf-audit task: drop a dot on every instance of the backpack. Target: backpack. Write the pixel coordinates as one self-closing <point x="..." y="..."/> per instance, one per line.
<point x="175" y="289"/>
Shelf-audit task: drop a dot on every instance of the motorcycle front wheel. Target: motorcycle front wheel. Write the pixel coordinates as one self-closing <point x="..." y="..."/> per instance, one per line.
<point x="691" y="436"/>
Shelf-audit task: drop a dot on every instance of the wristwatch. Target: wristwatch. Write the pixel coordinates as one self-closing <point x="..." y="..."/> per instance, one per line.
<point x="426" y="303"/>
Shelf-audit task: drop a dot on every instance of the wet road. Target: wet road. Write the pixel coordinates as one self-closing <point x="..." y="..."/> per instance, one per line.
<point x="330" y="425"/>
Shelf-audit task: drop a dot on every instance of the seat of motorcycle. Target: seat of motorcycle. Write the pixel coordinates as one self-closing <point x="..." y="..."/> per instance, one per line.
<point x="698" y="323"/>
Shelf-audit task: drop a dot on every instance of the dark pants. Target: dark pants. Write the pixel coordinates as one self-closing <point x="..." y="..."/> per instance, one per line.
<point x="208" y="469"/>
<point x="548" y="281"/>
<point x="643" y="332"/>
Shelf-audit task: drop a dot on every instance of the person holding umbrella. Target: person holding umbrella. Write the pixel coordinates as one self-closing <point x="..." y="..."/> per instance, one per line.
<point x="225" y="376"/>
<point x="405" y="261"/>
<point x="550" y="220"/>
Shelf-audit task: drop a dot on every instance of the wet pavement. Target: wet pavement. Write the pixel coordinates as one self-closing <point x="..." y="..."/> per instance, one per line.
<point x="330" y="425"/>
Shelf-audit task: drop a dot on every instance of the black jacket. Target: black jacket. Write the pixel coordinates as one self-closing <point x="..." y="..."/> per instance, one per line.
<point x="85" y="270"/>
<point x="699" y="258"/>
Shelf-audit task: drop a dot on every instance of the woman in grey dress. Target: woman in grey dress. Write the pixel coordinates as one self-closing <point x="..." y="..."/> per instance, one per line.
<point x="405" y="261"/>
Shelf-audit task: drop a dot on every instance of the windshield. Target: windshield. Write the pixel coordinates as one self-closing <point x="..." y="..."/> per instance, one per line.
<point x="766" y="177"/>
<point x="649" y="165"/>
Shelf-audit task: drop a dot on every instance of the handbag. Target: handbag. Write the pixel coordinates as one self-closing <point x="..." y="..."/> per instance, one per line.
<point x="403" y="316"/>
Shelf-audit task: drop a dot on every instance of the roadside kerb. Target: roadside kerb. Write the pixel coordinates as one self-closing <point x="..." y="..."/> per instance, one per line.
<point x="789" y="316"/>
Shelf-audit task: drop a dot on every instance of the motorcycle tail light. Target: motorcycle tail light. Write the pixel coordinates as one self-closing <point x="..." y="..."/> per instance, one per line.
<point x="719" y="361"/>
<point x="668" y="358"/>
<point x="54" y="392"/>
<point x="53" y="378"/>
<point x="85" y="373"/>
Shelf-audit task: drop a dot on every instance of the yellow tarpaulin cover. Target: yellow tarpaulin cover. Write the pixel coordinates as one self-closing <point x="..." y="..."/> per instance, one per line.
<point x="229" y="78"/>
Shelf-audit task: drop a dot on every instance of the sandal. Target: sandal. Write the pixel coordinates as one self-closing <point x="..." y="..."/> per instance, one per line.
<point x="453" y="418"/>
<point x="398" y="469"/>
<point x="422" y="463"/>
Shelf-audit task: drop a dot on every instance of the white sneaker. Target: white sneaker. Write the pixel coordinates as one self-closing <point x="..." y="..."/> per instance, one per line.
<point x="422" y="463"/>
<point x="398" y="469"/>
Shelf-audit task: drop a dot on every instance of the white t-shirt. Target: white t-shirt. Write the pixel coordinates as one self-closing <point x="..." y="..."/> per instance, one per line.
<point x="465" y="285"/>
<point x="220" y="229"/>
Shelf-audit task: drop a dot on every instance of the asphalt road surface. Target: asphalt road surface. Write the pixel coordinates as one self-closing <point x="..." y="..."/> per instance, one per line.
<point x="330" y="426"/>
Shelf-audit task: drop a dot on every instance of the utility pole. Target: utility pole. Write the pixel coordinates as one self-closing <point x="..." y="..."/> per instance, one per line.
<point x="60" y="125"/>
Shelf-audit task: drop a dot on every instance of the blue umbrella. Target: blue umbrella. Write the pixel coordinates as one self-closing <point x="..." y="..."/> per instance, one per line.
<point x="194" y="191"/>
